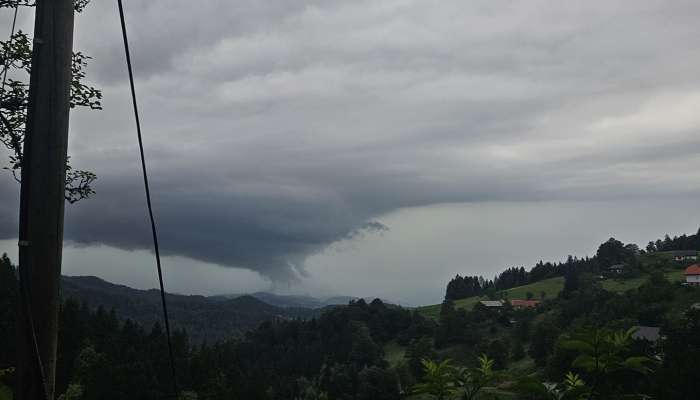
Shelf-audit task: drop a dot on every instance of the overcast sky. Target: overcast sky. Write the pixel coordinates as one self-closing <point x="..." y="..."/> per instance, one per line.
<point x="377" y="148"/>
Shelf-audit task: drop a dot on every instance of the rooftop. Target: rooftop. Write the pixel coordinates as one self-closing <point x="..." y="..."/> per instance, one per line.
<point x="492" y="303"/>
<point x="693" y="270"/>
<point x="681" y="253"/>
<point x="524" y="303"/>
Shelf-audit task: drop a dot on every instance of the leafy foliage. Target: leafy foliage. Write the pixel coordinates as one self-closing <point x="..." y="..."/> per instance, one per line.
<point x="443" y="381"/>
<point x="438" y="380"/>
<point x="473" y="380"/>
<point x="543" y="339"/>
<point x="5" y="391"/>
<point x="678" y="376"/>
<point x="573" y="388"/>
<point x="605" y="357"/>
<point x="14" y="96"/>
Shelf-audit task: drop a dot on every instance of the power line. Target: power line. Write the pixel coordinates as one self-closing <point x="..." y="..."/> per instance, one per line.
<point x="148" y="195"/>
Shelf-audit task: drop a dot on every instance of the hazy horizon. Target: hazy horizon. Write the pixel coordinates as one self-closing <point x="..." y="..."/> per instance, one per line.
<point x="381" y="265"/>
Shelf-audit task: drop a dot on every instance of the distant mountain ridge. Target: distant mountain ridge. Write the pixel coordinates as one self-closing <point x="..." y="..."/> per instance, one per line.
<point x="204" y="318"/>
<point x="291" y="301"/>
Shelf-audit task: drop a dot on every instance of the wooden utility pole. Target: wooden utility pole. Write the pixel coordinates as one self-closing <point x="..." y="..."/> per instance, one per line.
<point x="42" y="198"/>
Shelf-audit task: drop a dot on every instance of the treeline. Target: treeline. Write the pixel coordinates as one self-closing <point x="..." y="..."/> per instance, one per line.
<point x="462" y="287"/>
<point x="682" y="242"/>
<point x="339" y="354"/>
<point x="609" y="253"/>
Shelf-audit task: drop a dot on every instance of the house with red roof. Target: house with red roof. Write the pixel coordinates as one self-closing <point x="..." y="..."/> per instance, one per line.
<point x="517" y="304"/>
<point x="692" y="275"/>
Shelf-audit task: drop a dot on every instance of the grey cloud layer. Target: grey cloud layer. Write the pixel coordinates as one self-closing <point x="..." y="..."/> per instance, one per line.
<point x="275" y="128"/>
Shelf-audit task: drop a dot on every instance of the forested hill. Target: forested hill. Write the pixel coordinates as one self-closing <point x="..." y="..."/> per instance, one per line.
<point x="301" y="301"/>
<point x="204" y="318"/>
<point x="646" y="320"/>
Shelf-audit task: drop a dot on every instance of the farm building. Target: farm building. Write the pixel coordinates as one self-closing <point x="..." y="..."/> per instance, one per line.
<point x="518" y="304"/>
<point x="685" y="255"/>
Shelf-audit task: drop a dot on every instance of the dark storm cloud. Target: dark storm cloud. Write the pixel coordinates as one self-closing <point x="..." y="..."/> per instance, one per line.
<point x="270" y="233"/>
<point x="274" y="128"/>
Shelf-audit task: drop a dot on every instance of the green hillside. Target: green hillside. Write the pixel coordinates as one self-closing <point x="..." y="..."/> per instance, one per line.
<point x="551" y="287"/>
<point x="623" y="285"/>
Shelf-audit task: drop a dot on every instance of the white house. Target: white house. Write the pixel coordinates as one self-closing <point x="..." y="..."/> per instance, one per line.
<point x="692" y="275"/>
